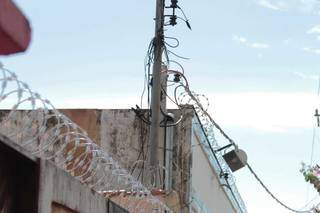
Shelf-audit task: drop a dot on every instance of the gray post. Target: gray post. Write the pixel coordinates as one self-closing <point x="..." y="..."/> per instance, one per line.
<point x="156" y="90"/>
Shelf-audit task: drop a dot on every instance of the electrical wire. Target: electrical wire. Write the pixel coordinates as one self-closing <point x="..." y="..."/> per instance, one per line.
<point x="167" y="52"/>
<point x="309" y="202"/>
<point x="273" y="196"/>
<point x="314" y="133"/>
<point x="174" y="39"/>
<point x="252" y="171"/>
<point x="176" y="55"/>
<point x="177" y="63"/>
<point x="183" y="13"/>
<point x="231" y="141"/>
<point x="186" y="87"/>
<point x="147" y="66"/>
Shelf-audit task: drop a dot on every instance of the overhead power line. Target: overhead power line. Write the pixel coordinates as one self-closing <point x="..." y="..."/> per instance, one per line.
<point x="182" y="82"/>
<point x="272" y="195"/>
<point x="231" y="141"/>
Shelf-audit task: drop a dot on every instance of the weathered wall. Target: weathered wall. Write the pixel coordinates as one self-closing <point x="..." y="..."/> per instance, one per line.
<point x="58" y="208"/>
<point x="56" y="186"/>
<point x="125" y="137"/>
<point x="182" y="157"/>
<point x="88" y="119"/>
<point x="48" y="188"/>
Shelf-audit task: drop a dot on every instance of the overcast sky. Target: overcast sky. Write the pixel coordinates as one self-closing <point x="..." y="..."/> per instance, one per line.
<point x="256" y="60"/>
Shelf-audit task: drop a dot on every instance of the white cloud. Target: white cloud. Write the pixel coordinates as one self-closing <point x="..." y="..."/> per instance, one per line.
<point x="259" y="45"/>
<point x="311" y="50"/>
<point x="239" y="39"/>
<point x="314" y="30"/>
<point x="307" y="77"/>
<point x="269" y="5"/>
<point x="264" y="111"/>
<point x="302" y="6"/>
<point x="244" y="41"/>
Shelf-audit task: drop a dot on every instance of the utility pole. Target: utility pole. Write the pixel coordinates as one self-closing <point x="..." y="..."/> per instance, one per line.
<point x="156" y="90"/>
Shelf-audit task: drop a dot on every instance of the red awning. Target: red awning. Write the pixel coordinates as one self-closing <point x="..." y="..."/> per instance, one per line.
<point x="15" y="31"/>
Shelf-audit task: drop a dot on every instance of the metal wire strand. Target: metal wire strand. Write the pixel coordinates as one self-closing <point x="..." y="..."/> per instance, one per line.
<point x="273" y="196"/>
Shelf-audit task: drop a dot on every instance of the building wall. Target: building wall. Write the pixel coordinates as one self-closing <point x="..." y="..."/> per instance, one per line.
<point x="205" y="181"/>
<point x="60" y="192"/>
<point x="125" y="137"/>
<point x="18" y="180"/>
<point x="88" y="119"/>
<point x="31" y="185"/>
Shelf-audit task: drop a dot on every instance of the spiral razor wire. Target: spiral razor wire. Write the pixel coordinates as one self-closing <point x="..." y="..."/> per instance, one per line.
<point x="33" y="122"/>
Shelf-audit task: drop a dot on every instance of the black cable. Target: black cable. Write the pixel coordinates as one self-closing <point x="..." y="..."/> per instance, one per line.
<point x="166" y="53"/>
<point x="173" y="101"/>
<point x="183" y="13"/>
<point x="165" y="148"/>
<point x="233" y="143"/>
<point x="251" y="170"/>
<point x="185" y="17"/>
<point x="175" y="54"/>
<point x="147" y="64"/>
<point x="141" y="149"/>
<point x="175" y="92"/>
<point x="172" y="38"/>
<point x="177" y="63"/>
<point x="140" y="115"/>
<point x="272" y="195"/>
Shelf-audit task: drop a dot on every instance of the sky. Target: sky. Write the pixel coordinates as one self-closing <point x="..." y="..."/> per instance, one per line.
<point x="256" y="60"/>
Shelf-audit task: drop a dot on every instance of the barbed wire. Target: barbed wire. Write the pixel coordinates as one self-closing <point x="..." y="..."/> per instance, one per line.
<point x="201" y="105"/>
<point x="209" y="124"/>
<point x="35" y="124"/>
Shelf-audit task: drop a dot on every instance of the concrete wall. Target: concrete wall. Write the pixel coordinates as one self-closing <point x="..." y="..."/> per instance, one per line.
<point x="56" y="186"/>
<point x="49" y="188"/>
<point x="125" y="137"/>
<point x="205" y="181"/>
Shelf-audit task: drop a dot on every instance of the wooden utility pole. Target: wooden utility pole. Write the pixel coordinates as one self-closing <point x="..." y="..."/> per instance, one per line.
<point x="156" y="90"/>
